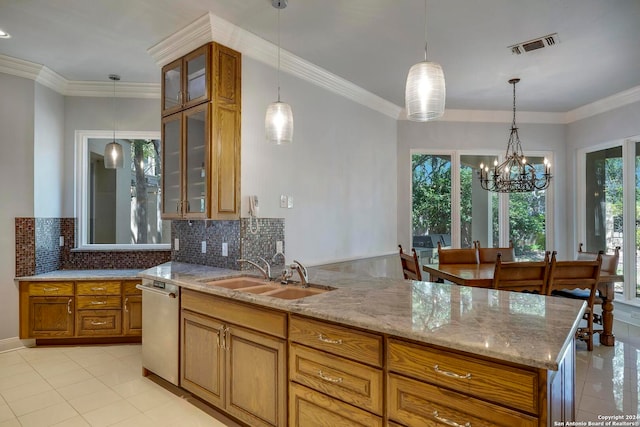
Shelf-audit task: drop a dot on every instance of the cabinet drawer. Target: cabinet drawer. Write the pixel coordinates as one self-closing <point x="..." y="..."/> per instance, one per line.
<point x="253" y="317"/>
<point x="308" y="408"/>
<point x="501" y="384"/>
<point x="51" y="288"/>
<point x="360" y="346"/>
<point x="98" y="322"/>
<point x="352" y="382"/>
<point x="98" y="288"/>
<point x="418" y="404"/>
<point x="129" y="288"/>
<point x="97" y="302"/>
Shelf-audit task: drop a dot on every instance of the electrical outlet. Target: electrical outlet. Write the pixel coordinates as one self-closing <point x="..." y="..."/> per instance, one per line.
<point x="204" y="247"/>
<point x="283" y="201"/>
<point x="225" y="249"/>
<point x="176" y="244"/>
<point x="61" y="240"/>
<point x="289" y="202"/>
<point x="278" y="245"/>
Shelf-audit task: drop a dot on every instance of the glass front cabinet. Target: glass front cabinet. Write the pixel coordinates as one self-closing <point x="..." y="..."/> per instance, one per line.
<point x="201" y="137"/>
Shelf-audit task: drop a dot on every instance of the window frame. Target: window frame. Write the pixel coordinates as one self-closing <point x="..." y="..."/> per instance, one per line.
<point x="81" y="182"/>
<point x="503" y="208"/>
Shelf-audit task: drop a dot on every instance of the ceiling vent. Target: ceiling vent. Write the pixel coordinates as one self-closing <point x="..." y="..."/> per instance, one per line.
<point x="535" y="44"/>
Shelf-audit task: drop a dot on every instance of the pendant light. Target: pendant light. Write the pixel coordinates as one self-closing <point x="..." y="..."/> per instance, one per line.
<point x="425" y="90"/>
<point x="514" y="174"/>
<point x="278" y="121"/>
<point x="113" y="155"/>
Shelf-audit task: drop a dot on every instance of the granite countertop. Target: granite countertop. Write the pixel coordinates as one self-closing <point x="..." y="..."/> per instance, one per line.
<point x="83" y="275"/>
<point x="528" y="329"/>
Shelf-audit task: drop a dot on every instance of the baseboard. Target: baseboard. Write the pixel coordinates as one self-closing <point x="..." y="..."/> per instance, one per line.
<point x="14" y="343"/>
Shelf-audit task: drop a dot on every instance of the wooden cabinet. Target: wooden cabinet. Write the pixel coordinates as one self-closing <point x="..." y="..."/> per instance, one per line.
<point x="186" y="81"/>
<point x="201" y="138"/>
<point x="80" y="310"/>
<point x="340" y="369"/>
<point x="234" y="356"/>
<point x="131" y="309"/>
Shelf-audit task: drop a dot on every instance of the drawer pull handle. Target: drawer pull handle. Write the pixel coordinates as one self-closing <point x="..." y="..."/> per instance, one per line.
<point x="94" y="323"/>
<point x="98" y="289"/>
<point x="50" y="289"/>
<point x="448" y="421"/>
<point x="98" y="302"/>
<point x="69" y="305"/>
<point x="466" y="376"/>
<point x="328" y="378"/>
<point x="324" y="339"/>
<point x="126" y="309"/>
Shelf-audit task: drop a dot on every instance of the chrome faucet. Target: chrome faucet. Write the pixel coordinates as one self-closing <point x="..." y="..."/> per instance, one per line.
<point x="266" y="272"/>
<point x="302" y="272"/>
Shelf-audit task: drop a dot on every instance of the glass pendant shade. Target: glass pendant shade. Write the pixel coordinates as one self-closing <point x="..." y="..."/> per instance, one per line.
<point x="278" y="123"/>
<point x="113" y="156"/>
<point x="425" y="92"/>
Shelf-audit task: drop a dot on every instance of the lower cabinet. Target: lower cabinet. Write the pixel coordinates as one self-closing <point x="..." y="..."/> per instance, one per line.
<point x="236" y="368"/>
<point x="82" y="309"/>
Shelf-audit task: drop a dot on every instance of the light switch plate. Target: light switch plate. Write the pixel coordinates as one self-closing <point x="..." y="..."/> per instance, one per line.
<point x="176" y="244"/>
<point x="279" y="246"/>
<point x="225" y="249"/>
<point x="204" y="246"/>
<point x="289" y="202"/>
<point x="283" y="201"/>
<point x="61" y="240"/>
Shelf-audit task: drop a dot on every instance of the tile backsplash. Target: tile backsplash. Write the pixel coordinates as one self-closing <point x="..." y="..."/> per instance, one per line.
<point x="38" y="247"/>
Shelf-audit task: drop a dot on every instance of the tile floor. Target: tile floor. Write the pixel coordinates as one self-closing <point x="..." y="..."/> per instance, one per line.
<point x="91" y="386"/>
<point x="103" y="386"/>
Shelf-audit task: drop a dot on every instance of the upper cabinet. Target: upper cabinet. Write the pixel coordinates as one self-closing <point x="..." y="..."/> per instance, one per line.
<point x="186" y="81"/>
<point x="201" y="137"/>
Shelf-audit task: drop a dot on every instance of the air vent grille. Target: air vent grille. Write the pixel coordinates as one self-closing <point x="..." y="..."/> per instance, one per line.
<point x="535" y="44"/>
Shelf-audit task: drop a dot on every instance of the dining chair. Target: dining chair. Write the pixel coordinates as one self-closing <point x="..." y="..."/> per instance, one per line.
<point x="609" y="265"/>
<point x="457" y="256"/>
<point x="410" y="265"/>
<point x="577" y="274"/>
<point x="489" y="255"/>
<point x="521" y="276"/>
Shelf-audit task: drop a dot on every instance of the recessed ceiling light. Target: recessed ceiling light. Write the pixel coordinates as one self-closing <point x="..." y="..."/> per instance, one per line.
<point x="4" y="35"/>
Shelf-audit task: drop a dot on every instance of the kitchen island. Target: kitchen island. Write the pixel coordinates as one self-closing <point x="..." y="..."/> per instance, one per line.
<point x="377" y="350"/>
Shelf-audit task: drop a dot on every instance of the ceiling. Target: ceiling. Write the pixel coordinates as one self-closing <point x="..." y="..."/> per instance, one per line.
<point x="371" y="43"/>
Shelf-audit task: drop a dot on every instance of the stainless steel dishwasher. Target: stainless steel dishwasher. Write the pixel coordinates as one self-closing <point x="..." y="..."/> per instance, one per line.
<point x="160" y="328"/>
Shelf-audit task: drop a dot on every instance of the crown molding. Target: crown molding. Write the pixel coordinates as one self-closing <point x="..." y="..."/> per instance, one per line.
<point x="488" y="116"/>
<point x="603" y="105"/>
<point x="49" y="78"/>
<point x="210" y="27"/>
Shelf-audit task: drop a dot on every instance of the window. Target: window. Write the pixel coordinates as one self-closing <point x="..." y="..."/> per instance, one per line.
<point x="120" y="208"/>
<point x="449" y="206"/>
<point x="609" y="208"/>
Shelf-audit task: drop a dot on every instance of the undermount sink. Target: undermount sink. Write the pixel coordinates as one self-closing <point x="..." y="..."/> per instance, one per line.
<point x="271" y="289"/>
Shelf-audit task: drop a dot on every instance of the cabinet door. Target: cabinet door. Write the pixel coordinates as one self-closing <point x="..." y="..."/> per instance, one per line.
<point x="196" y="149"/>
<point x="50" y="317"/>
<point x="172" y="87"/>
<point x="197" y="76"/>
<point x="202" y="357"/>
<point x="256" y="377"/>
<point x="172" y="166"/>
<point x="132" y="313"/>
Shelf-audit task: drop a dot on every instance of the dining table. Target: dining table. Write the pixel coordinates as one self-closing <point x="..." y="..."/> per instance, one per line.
<point x="481" y="276"/>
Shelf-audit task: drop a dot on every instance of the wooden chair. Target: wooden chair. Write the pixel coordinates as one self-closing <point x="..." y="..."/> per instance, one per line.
<point x="457" y="256"/>
<point x="410" y="265"/>
<point x="524" y="276"/>
<point x="489" y="255"/>
<point x="609" y="265"/>
<point x="577" y="274"/>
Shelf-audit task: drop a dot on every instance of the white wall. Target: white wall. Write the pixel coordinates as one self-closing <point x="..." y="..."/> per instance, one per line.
<point x="614" y="125"/>
<point x="84" y="113"/>
<point x="16" y="189"/>
<point x="49" y="161"/>
<point x="340" y="169"/>
<point x="479" y="138"/>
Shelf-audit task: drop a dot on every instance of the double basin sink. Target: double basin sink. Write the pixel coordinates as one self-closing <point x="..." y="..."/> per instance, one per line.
<point x="272" y="289"/>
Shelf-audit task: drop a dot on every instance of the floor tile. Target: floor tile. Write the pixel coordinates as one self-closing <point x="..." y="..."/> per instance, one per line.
<point x="36" y="402"/>
<point x="76" y="421"/>
<point x="90" y="402"/>
<point x="31" y="388"/>
<point x="48" y="416"/>
<point x="82" y="388"/>
<point x="111" y="414"/>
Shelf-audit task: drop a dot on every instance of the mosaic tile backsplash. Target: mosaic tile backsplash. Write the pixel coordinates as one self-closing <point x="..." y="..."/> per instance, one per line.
<point x="241" y="243"/>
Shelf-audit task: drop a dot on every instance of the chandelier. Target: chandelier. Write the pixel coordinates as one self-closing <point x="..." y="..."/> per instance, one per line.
<point x="514" y="174"/>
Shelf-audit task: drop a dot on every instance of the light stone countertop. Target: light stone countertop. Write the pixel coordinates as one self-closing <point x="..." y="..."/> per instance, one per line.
<point x="527" y="329"/>
<point x="83" y="275"/>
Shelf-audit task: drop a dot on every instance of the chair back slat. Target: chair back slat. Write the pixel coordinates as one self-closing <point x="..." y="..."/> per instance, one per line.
<point x="457" y="256"/>
<point x="410" y="265"/>
<point x="523" y="276"/>
<point x="609" y="261"/>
